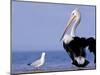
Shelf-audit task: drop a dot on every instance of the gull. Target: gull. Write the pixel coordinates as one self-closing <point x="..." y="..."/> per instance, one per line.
<point x="39" y="62"/>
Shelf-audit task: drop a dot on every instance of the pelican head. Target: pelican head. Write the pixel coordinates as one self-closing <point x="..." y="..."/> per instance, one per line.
<point x="73" y="21"/>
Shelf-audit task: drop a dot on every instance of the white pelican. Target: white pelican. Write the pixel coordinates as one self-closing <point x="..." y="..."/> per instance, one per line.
<point x="74" y="45"/>
<point x="74" y="19"/>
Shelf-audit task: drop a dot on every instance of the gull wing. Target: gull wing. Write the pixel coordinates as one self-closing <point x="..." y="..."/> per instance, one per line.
<point x="36" y="63"/>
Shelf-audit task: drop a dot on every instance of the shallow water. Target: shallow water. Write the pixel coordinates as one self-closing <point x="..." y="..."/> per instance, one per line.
<point x="55" y="61"/>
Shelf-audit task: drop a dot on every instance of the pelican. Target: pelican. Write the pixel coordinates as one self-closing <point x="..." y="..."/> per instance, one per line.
<point x="39" y="62"/>
<point x="74" y="46"/>
<point x="75" y="18"/>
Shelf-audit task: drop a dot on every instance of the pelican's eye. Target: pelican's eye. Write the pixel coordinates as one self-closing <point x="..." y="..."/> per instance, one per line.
<point x="72" y="13"/>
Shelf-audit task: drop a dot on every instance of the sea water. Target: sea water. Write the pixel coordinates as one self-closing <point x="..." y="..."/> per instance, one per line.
<point x="54" y="61"/>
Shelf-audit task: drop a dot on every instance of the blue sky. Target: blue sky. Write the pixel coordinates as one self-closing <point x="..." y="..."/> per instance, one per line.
<point x="39" y="26"/>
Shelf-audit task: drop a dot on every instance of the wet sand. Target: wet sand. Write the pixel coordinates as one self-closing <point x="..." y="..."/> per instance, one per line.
<point x="54" y="70"/>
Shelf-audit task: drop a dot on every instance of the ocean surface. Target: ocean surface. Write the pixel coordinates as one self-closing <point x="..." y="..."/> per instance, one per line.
<point x="55" y="61"/>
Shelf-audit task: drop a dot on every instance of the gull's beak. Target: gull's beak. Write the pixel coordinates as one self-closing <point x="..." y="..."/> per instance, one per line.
<point x="69" y="24"/>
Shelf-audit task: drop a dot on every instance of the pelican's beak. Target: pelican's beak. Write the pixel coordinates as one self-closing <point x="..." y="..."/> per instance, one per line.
<point x="69" y="24"/>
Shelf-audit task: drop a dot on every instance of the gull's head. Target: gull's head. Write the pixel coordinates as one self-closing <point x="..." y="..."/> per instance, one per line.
<point x="43" y="54"/>
<point x="73" y="20"/>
